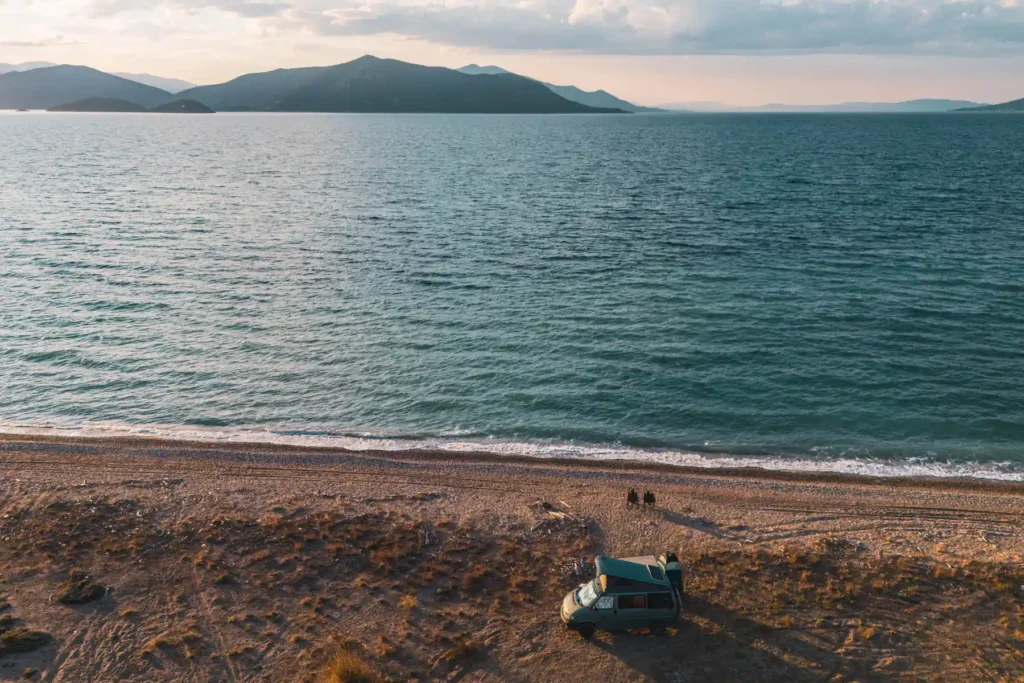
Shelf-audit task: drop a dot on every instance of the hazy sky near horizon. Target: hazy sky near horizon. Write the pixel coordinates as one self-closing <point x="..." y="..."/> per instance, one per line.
<point x="650" y="51"/>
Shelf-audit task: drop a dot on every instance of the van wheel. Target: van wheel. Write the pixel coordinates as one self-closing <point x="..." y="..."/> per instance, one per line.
<point x="657" y="629"/>
<point x="586" y="631"/>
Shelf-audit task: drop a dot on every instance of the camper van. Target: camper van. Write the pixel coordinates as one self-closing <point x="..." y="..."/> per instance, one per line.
<point x="627" y="593"/>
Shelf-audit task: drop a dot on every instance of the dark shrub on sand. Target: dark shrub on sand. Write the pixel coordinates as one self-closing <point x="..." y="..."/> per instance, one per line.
<point x="19" y="640"/>
<point x="79" y="590"/>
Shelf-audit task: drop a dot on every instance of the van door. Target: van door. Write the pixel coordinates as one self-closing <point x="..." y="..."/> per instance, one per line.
<point x="662" y="607"/>
<point x="633" y="611"/>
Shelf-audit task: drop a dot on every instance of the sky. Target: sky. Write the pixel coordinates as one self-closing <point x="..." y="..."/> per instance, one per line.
<point x="741" y="52"/>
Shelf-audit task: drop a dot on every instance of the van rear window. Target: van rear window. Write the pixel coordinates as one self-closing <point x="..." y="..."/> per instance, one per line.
<point x="632" y="602"/>
<point x="659" y="600"/>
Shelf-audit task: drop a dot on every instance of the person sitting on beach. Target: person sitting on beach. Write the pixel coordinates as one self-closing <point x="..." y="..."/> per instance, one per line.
<point x="649" y="498"/>
<point x="631" y="498"/>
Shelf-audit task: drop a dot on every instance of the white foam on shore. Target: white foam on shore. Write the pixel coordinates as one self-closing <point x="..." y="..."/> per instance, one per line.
<point x="917" y="467"/>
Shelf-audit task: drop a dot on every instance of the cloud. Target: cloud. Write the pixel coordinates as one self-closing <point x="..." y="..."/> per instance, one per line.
<point x="249" y="9"/>
<point x="46" y="42"/>
<point x="108" y="8"/>
<point x="696" y="26"/>
<point x="950" y="27"/>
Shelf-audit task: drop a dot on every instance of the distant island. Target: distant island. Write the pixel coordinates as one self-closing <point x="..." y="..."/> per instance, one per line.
<point x="108" y="104"/>
<point x="1016" y="106"/>
<point x="183" y="106"/>
<point x="924" y="106"/>
<point x="367" y="84"/>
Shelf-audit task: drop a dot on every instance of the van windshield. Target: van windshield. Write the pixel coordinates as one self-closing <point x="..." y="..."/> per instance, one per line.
<point x="588" y="593"/>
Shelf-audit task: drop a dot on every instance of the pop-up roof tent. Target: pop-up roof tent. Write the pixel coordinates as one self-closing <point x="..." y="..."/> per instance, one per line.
<point x="629" y="573"/>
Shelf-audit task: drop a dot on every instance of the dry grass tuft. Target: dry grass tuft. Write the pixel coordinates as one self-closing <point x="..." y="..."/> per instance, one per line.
<point x="384" y="647"/>
<point x="475" y="577"/>
<point x="348" y="667"/>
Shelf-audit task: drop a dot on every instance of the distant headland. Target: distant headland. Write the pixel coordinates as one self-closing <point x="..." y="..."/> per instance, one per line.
<point x="1014" y="107"/>
<point x="109" y="104"/>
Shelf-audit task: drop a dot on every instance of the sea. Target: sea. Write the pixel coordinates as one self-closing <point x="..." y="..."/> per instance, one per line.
<point x="818" y="292"/>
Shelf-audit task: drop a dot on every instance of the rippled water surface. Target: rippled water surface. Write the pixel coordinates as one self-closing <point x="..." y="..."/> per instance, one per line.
<point x="799" y="287"/>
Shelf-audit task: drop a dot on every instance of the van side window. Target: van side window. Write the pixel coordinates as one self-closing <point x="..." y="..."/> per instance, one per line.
<point x="659" y="600"/>
<point x="632" y="602"/>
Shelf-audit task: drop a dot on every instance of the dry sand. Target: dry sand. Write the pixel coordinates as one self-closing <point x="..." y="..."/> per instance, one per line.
<point x="136" y="560"/>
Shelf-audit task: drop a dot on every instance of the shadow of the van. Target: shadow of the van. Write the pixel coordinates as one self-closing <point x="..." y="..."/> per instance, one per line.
<point x="711" y="643"/>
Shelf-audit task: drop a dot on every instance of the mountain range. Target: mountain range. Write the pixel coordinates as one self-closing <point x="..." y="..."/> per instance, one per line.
<point x="171" y="85"/>
<point x="909" y="106"/>
<point x="371" y="84"/>
<point x="53" y="86"/>
<point x="596" y="98"/>
<point x="367" y="84"/>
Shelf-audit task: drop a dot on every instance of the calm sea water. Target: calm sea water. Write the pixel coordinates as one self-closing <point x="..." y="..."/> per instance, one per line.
<point x="843" y="292"/>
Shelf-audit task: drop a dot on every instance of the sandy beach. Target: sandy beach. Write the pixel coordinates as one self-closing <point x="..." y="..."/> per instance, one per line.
<point x="146" y="560"/>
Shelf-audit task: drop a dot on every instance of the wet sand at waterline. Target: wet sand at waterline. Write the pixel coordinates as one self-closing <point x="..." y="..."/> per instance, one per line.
<point x="148" y="560"/>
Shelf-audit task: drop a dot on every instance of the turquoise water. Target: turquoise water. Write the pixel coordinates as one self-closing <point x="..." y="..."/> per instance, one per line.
<point x="793" y="289"/>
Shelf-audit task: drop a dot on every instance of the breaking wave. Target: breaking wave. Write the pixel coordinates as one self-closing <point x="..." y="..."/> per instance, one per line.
<point x="464" y="441"/>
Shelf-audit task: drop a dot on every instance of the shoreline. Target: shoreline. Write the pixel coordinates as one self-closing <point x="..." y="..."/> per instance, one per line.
<point x="315" y="453"/>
